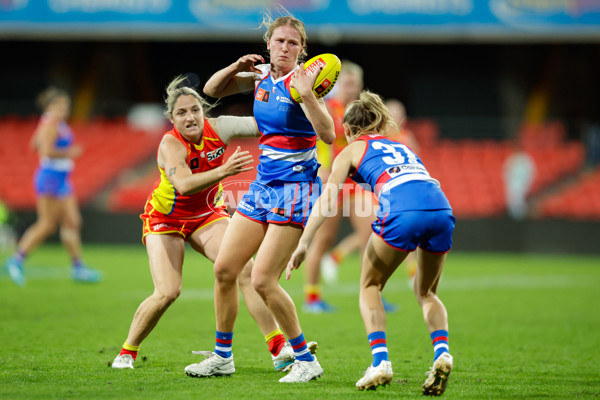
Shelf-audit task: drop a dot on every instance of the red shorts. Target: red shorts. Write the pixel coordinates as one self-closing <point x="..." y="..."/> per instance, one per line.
<point x="161" y="224"/>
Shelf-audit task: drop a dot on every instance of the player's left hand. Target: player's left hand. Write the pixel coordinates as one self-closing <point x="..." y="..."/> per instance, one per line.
<point x="303" y="82"/>
<point x="295" y="260"/>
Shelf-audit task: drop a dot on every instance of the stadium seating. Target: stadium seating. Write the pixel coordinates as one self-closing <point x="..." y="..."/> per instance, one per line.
<point x="577" y="200"/>
<point x="470" y="171"/>
<point x="110" y="148"/>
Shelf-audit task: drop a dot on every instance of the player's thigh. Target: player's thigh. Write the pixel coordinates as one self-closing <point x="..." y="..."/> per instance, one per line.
<point x="165" y="255"/>
<point x="379" y="262"/>
<point x="48" y="210"/>
<point x="275" y="251"/>
<point x="207" y="240"/>
<point x="240" y="242"/>
<point x="70" y="214"/>
<point x="429" y="271"/>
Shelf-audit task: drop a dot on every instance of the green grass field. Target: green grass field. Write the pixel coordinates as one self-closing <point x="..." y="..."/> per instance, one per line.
<point x="521" y="326"/>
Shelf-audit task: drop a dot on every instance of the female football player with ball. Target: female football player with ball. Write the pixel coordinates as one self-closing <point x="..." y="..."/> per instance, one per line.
<point x="186" y="206"/>
<point x="413" y="212"/>
<point x="270" y="217"/>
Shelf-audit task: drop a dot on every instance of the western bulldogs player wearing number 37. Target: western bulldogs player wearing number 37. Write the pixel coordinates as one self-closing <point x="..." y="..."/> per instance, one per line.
<point x="414" y="212"/>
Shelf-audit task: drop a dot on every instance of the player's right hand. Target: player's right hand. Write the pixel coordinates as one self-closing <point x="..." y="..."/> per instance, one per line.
<point x="246" y="63"/>
<point x="238" y="162"/>
<point x="295" y="260"/>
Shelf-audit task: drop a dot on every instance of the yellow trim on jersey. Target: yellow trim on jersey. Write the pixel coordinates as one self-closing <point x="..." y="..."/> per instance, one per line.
<point x="164" y="196"/>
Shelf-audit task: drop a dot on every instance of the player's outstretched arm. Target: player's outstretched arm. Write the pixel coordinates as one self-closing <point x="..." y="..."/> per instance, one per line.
<point x="226" y="81"/>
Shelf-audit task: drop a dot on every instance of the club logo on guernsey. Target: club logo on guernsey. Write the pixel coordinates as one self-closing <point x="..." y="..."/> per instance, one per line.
<point x="262" y="95"/>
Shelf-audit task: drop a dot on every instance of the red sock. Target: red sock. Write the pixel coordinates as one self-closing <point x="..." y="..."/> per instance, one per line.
<point x="337" y="256"/>
<point x="276" y="344"/>
<point x="125" y="351"/>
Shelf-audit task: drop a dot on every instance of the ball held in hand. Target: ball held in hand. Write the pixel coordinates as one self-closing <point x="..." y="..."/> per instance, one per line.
<point x="326" y="79"/>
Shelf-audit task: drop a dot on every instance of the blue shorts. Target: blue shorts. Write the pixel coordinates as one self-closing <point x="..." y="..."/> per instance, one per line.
<point x="280" y="202"/>
<point x="48" y="182"/>
<point x="431" y="230"/>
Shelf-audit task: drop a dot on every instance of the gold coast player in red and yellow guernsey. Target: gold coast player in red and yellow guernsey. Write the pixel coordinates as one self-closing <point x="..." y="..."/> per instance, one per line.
<point x="186" y="206"/>
<point x="168" y="211"/>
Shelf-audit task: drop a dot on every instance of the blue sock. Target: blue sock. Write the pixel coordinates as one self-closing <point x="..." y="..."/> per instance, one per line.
<point x="77" y="262"/>
<point x="439" y="339"/>
<point x="378" y="347"/>
<point x="223" y="344"/>
<point x="301" y="349"/>
<point x="20" y="256"/>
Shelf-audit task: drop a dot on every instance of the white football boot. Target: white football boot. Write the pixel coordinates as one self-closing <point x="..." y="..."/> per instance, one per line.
<point x="303" y="371"/>
<point x="123" y="361"/>
<point x="329" y="269"/>
<point x="214" y="365"/>
<point x="376" y="376"/>
<point x="284" y="360"/>
<point x="437" y="376"/>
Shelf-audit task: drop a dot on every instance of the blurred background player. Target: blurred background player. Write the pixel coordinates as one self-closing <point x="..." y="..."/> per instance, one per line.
<point x="186" y="205"/>
<point x="414" y="214"/>
<point x="270" y="217"/>
<point x="355" y="203"/>
<point x="57" y="205"/>
<point x="518" y="172"/>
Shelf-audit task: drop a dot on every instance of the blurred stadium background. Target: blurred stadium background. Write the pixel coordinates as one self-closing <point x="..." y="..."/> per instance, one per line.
<point x="475" y="76"/>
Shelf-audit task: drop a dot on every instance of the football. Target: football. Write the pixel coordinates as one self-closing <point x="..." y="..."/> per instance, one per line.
<point x="331" y="65"/>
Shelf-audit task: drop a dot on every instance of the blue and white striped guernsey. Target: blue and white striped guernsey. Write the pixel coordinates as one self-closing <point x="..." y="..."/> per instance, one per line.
<point x="288" y="141"/>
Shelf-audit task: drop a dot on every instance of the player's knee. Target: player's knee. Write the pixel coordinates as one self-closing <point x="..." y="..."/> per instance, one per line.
<point x="47" y="228"/>
<point x="261" y="284"/>
<point x="225" y="276"/>
<point x="245" y="277"/>
<point x="168" y="297"/>
<point x="424" y="296"/>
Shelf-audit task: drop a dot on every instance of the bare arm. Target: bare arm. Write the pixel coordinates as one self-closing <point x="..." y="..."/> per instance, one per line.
<point x="45" y="139"/>
<point x="226" y="81"/>
<point x="326" y="205"/>
<point x="172" y="157"/>
<point x="315" y="110"/>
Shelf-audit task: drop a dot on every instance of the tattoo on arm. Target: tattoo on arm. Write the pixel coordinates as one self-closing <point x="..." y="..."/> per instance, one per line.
<point x="172" y="171"/>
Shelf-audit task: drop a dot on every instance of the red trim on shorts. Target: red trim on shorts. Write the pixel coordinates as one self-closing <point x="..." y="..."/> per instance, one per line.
<point x="431" y="252"/>
<point x="308" y="205"/>
<point x="250" y="218"/>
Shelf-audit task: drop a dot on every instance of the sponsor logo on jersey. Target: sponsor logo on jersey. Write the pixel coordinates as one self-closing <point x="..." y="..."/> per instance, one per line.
<point x="212" y="155"/>
<point x="283" y="99"/>
<point x="262" y="95"/>
<point x="195" y="163"/>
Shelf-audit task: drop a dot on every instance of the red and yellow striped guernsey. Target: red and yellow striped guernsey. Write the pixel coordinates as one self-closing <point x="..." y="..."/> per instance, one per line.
<point x="200" y="158"/>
